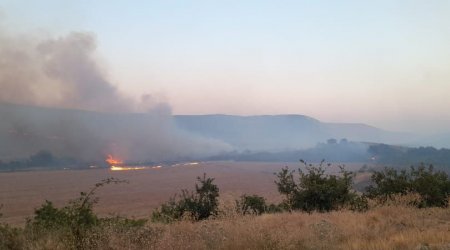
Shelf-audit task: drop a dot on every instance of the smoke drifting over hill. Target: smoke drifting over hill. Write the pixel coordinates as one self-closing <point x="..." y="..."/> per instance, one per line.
<point x="63" y="72"/>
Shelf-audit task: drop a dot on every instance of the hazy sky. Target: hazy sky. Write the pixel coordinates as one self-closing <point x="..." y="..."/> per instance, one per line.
<point x="385" y="63"/>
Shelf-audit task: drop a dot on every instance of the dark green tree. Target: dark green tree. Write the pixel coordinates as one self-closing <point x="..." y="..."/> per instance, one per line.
<point x="315" y="190"/>
<point x="252" y="204"/>
<point x="199" y="205"/>
<point x="432" y="186"/>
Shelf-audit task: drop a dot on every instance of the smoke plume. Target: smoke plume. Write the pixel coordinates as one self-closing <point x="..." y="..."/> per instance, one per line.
<point x="63" y="73"/>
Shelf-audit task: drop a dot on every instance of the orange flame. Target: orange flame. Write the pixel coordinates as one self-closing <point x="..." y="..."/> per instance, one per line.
<point x="113" y="161"/>
<point x="116" y="168"/>
<point x="117" y="165"/>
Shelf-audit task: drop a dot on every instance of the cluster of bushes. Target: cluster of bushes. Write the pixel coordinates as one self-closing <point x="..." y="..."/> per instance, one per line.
<point x="315" y="190"/>
<point x="433" y="187"/>
<point x="389" y="154"/>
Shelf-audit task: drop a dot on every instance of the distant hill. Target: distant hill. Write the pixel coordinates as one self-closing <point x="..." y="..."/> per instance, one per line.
<point x="281" y="132"/>
<point x="25" y="130"/>
<point x="90" y="136"/>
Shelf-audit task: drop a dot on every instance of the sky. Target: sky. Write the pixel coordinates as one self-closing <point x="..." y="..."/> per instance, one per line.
<point x="384" y="63"/>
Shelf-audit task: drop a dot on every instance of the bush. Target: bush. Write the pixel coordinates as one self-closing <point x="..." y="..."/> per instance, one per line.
<point x="9" y="236"/>
<point x="198" y="206"/>
<point x="251" y="204"/>
<point x="388" y="183"/>
<point x="50" y="217"/>
<point x="432" y="187"/>
<point x="315" y="190"/>
<point x="72" y="221"/>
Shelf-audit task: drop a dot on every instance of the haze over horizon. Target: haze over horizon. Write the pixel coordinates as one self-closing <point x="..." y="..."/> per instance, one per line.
<point x="384" y="63"/>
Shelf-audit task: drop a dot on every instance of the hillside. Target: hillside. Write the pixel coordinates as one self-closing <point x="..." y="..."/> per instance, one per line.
<point x="281" y="132"/>
<point x="153" y="137"/>
<point x="90" y="136"/>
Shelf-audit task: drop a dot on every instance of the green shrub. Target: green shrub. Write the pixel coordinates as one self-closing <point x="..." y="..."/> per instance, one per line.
<point x="73" y="221"/>
<point x="252" y="204"/>
<point x="433" y="187"/>
<point x="315" y="190"/>
<point x="198" y="206"/>
<point x="10" y="238"/>
<point x="388" y="183"/>
<point x="359" y="203"/>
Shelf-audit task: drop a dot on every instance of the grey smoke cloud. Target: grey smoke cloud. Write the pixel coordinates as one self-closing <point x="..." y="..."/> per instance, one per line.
<point x="63" y="72"/>
<point x="58" y="72"/>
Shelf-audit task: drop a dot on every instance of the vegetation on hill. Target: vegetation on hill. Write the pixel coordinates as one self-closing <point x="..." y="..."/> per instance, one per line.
<point x="349" y="151"/>
<point x="394" y="155"/>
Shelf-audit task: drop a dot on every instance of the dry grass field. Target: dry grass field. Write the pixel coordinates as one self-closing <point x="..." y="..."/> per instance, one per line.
<point x="21" y="192"/>
<point x="393" y="226"/>
<point x="390" y="227"/>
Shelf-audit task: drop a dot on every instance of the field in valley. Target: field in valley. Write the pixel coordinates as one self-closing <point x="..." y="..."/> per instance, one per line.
<point x="394" y="226"/>
<point x="22" y="192"/>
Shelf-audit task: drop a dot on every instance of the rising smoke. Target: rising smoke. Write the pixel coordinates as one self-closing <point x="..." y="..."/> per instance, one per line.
<point x="64" y="73"/>
<point x="59" y="72"/>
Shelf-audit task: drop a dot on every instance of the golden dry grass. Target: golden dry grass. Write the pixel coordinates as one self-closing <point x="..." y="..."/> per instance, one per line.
<point x="387" y="227"/>
<point x="381" y="228"/>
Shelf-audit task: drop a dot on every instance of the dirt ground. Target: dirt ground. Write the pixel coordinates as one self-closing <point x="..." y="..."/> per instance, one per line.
<point x="22" y="192"/>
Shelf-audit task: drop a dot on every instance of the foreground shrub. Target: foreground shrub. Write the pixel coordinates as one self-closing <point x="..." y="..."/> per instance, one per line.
<point x="10" y="238"/>
<point x="197" y="206"/>
<point x="251" y="204"/>
<point x="432" y="187"/>
<point x="317" y="191"/>
<point x="71" y="223"/>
